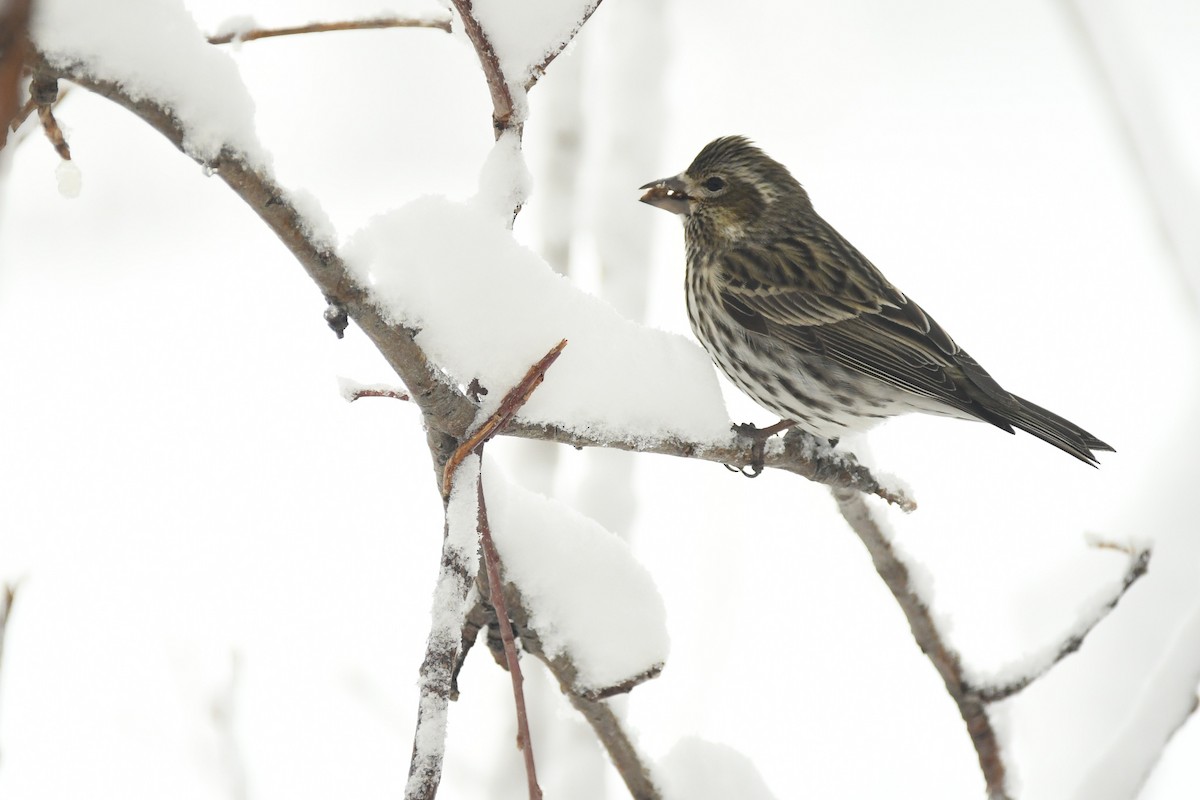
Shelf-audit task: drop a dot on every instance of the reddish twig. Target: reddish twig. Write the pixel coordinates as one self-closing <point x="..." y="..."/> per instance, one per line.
<point x="375" y="23"/>
<point x="22" y="115"/>
<point x="53" y="132"/>
<point x="491" y="560"/>
<point x="512" y="402"/>
<point x="503" y="109"/>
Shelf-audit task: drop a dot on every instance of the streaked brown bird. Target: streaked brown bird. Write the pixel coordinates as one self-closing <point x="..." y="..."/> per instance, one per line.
<point x="802" y="322"/>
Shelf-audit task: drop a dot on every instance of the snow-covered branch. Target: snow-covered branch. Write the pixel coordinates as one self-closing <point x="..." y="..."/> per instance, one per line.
<point x="456" y="576"/>
<point x="971" y="695"/>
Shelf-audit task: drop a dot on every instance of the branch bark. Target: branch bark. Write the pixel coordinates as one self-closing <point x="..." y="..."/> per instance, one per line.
<point x="375" y="23"/>
<point x="945" y="659"/>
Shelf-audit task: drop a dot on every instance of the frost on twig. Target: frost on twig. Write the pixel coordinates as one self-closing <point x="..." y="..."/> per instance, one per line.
<point x="971" y="696"/>
<point x="991" y="691"/>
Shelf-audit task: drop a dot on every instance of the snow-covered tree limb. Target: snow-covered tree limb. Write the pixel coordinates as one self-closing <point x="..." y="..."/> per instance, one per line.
<point x="971" y="696"/>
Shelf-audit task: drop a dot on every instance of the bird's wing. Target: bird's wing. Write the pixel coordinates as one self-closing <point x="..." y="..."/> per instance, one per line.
<point x="819" y="294"/>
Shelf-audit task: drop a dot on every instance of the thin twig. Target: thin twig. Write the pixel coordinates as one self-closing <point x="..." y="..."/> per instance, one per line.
<point x="491" y="560"/>
<point x="590" y="701"/>
<point x="363" y="391"/>
<point x="539" y="70"/>
<point x="512" y="402"/>
<point x="1139" y="563"/>
<point x="375" y="23"/>
<point x="53" y="132"/>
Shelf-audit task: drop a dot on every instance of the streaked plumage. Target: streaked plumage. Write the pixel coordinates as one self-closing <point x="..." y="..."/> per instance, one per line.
<point x="802" y="322"/>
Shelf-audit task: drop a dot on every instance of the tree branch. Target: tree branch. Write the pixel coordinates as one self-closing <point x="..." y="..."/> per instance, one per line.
<point x="539" y="70"/>
<point x="945" y="659"/>
<point x="972" y="701"/>
<point x="375" y="23"/>
<point x="1139" y="564"/>
<point x="456" y="575"/>
<point x="509" y="406"/>
<point x="503" y="108"/>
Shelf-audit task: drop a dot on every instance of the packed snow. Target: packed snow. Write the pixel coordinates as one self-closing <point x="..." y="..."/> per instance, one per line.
<point x="487" y="307"/>
<point x="155" y="50"/>
<point x="587" y="595"/>
<point x="522" y="34"/>
<point x="696" y="769"/>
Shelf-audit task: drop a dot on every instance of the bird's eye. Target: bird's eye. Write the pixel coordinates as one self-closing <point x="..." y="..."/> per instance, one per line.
<point x="714" y="184"/>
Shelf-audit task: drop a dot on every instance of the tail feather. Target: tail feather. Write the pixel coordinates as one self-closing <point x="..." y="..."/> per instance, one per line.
<point x="1050" y="427"/>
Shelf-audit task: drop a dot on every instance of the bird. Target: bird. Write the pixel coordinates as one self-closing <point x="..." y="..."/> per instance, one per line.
<point x="798" y="319"/>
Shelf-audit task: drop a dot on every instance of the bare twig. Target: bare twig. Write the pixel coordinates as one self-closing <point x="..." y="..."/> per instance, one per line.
<point x="610" y="730"/>
<point x="365" y="391"/>
<point x="503" y="108"/>
<point x="491" y="560"/>
<point x="53" y="132"/>
<point x="509" y="406"/>
<point x="375" y="23"/>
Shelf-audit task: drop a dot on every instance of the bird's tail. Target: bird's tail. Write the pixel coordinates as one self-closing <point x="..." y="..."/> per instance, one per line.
<point x="1050" y="427"/>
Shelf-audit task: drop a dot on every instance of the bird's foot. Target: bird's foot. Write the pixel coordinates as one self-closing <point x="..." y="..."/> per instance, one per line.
<point x="758" y="437"/>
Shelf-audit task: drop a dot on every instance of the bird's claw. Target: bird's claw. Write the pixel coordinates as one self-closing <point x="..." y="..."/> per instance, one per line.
<point x="751" y="470"/>
<point x="759" y="437"/>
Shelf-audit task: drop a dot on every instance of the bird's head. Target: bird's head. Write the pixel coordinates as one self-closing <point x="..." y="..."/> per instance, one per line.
<point x="731" y="190"/>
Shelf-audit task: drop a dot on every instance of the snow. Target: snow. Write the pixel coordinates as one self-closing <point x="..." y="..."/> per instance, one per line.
<point x="454" y="272"/>
<point x="587" y="595"/>
<point x="696" y="769"/>
<point x="156" y="51"/>
<point x="522" y="34"/>
<point x="236" y="26"/>
<point x="504" y="181"/>
<point x="70" y="179"/>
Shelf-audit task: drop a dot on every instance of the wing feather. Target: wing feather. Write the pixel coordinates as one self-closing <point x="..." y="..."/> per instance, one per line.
<point x="820" y="295"/>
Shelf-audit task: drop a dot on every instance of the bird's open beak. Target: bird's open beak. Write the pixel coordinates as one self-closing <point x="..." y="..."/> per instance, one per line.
<point x="669" y="194"/>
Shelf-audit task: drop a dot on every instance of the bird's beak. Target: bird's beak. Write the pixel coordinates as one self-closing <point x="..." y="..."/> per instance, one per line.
<point x="669" y="194"/>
